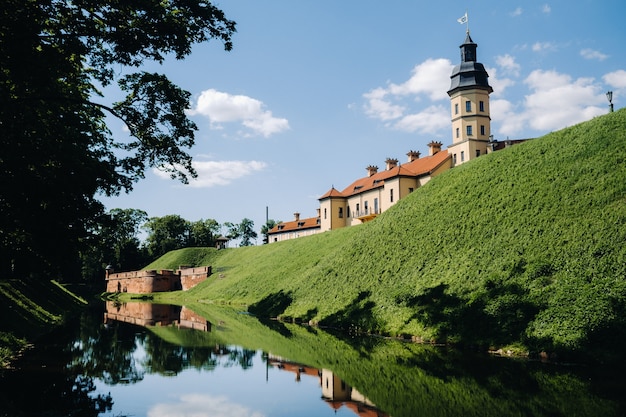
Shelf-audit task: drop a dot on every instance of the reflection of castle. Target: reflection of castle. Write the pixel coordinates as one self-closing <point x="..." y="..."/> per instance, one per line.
<point x="335" y="391"/>
<point x="148" y="314"/>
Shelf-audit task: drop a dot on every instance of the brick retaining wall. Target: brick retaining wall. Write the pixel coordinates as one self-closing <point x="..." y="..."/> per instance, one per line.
<point x="149" y="281"/>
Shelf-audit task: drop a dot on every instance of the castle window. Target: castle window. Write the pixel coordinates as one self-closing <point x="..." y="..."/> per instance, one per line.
<point x="462" y="156"/>
<point x="477" y="153"/>
<point x="468" y="106"/>
<point x="457" y="132"/>
<point x="391" y="195"/>
<point x="324" y="214"/>
<point x="365" y="207"/>
<point x="348" y="212"/>
<point x="357" y="209"/>
<point x="482" y="130"/>
<point x="469" y="130"/>
<point x="456" y="108"/>
<point x="454" y="159"/>
<point x="341" y="212"/>
<point x="482" y="105"/>
<point x="410" y="189"/>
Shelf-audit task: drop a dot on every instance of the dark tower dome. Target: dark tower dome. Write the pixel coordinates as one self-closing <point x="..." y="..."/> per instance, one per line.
<point x="469" y="74"/>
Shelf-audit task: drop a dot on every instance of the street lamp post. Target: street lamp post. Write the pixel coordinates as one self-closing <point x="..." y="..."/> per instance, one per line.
<point x="609" y="96"/>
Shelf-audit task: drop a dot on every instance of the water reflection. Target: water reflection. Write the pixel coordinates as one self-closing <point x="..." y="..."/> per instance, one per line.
<point x="148" y="314"/>
<point x="141" y="359"/>
<point x="335" y="392"/>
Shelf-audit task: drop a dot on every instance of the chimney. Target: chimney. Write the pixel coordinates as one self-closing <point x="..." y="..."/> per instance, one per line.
<point x="371" y="170"/>
<point x="297" y="216"/>
<point x="434" y="147"/>
<point x="391" y="163"/>
<point x="413" y="155"/>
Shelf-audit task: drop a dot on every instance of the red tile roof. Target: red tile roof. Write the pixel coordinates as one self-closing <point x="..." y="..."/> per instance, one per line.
<point x="302" y="224"/>
<point x="417" y="168"/>
<point x="333" y="192"/>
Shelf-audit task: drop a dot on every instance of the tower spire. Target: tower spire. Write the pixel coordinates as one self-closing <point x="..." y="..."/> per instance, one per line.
<point x="469" y="95"/>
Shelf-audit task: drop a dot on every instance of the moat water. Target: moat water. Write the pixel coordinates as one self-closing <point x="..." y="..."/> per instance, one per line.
<point x="152" y="360"/>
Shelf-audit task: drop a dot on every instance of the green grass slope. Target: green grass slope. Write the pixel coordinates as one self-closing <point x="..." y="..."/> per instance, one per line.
<point x="522" y="246"/>
<point x="29" y="308"/>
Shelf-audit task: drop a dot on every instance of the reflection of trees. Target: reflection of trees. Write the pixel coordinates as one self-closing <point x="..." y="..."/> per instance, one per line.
<point x="50" y="383"/>
<point x="106" y="352"/>
<point x="242" y="357"/>
<point x="166" y="358"/>
<point x="46" y="393"/>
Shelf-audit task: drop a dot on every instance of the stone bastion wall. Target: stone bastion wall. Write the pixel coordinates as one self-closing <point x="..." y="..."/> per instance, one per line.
<point x="149" y="281"/>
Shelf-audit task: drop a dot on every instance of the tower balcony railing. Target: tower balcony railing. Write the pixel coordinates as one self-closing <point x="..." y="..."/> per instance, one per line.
<point x="366" y="214"/>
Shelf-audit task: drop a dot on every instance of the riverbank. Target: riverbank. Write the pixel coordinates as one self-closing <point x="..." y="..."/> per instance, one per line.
<point x="30" y="308"/>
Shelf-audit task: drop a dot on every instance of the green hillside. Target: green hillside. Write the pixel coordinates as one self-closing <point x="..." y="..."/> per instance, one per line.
<point x="525" y="246"/>
<point x="28" y="309"/>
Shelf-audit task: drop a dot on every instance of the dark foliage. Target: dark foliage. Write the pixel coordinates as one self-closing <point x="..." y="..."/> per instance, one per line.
<point x="57" y="152"/>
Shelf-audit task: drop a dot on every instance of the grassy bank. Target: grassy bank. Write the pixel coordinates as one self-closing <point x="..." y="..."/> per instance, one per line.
<point x="525" y="246"/>
<point x="30" y="308"/>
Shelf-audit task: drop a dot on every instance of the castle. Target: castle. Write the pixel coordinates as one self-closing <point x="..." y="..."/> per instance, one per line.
<point x="367" y="197"/>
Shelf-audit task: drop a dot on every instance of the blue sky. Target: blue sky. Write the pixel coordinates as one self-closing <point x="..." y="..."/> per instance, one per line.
<point x="315" y="91"/>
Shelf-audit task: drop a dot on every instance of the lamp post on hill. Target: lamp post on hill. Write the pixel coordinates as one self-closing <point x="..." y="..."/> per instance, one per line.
<point x="609" y="96"/>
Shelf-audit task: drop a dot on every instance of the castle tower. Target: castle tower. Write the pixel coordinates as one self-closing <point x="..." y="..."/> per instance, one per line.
<point x="469" y="99"/>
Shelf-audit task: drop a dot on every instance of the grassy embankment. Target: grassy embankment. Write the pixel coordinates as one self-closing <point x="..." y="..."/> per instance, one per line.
<point x="28" y="309"/>
<point x="526" y="247"/>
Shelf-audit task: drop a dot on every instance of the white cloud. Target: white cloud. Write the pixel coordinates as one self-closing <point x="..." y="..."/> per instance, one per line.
<point x="218" y="173"/>
<point x="379" y="107"/>
<point x="198" y="405"/>
<point x="498" y="84"/>
<point x="430" y="80"/>
<point x="222" y="107"/>
<point x="592" y="54"/>
<point x="517" y="12"/>
<point x="504" y="113"/>
<point x="508" y="64"/>
<point x="429" y="120"/>
<point x="426" y="79"/>
<point x="552" y="100"/>
<point x="555" y="101"/>
<point x="616" y="79"/>
<point x="546" y="9"/>
<point x="543" y="46"/>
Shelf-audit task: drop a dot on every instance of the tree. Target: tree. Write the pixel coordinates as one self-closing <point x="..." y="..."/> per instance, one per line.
<point x="269" y="225"/>
<point x="243" y="230"/>
<point x="116" y="243"/>
<point x="57" y="153"/>
<point x="203" y="233"/>
<point x="166" y="234"/>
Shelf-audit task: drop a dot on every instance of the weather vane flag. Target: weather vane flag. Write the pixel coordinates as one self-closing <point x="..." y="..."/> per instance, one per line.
<point x="464" y="20"/>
